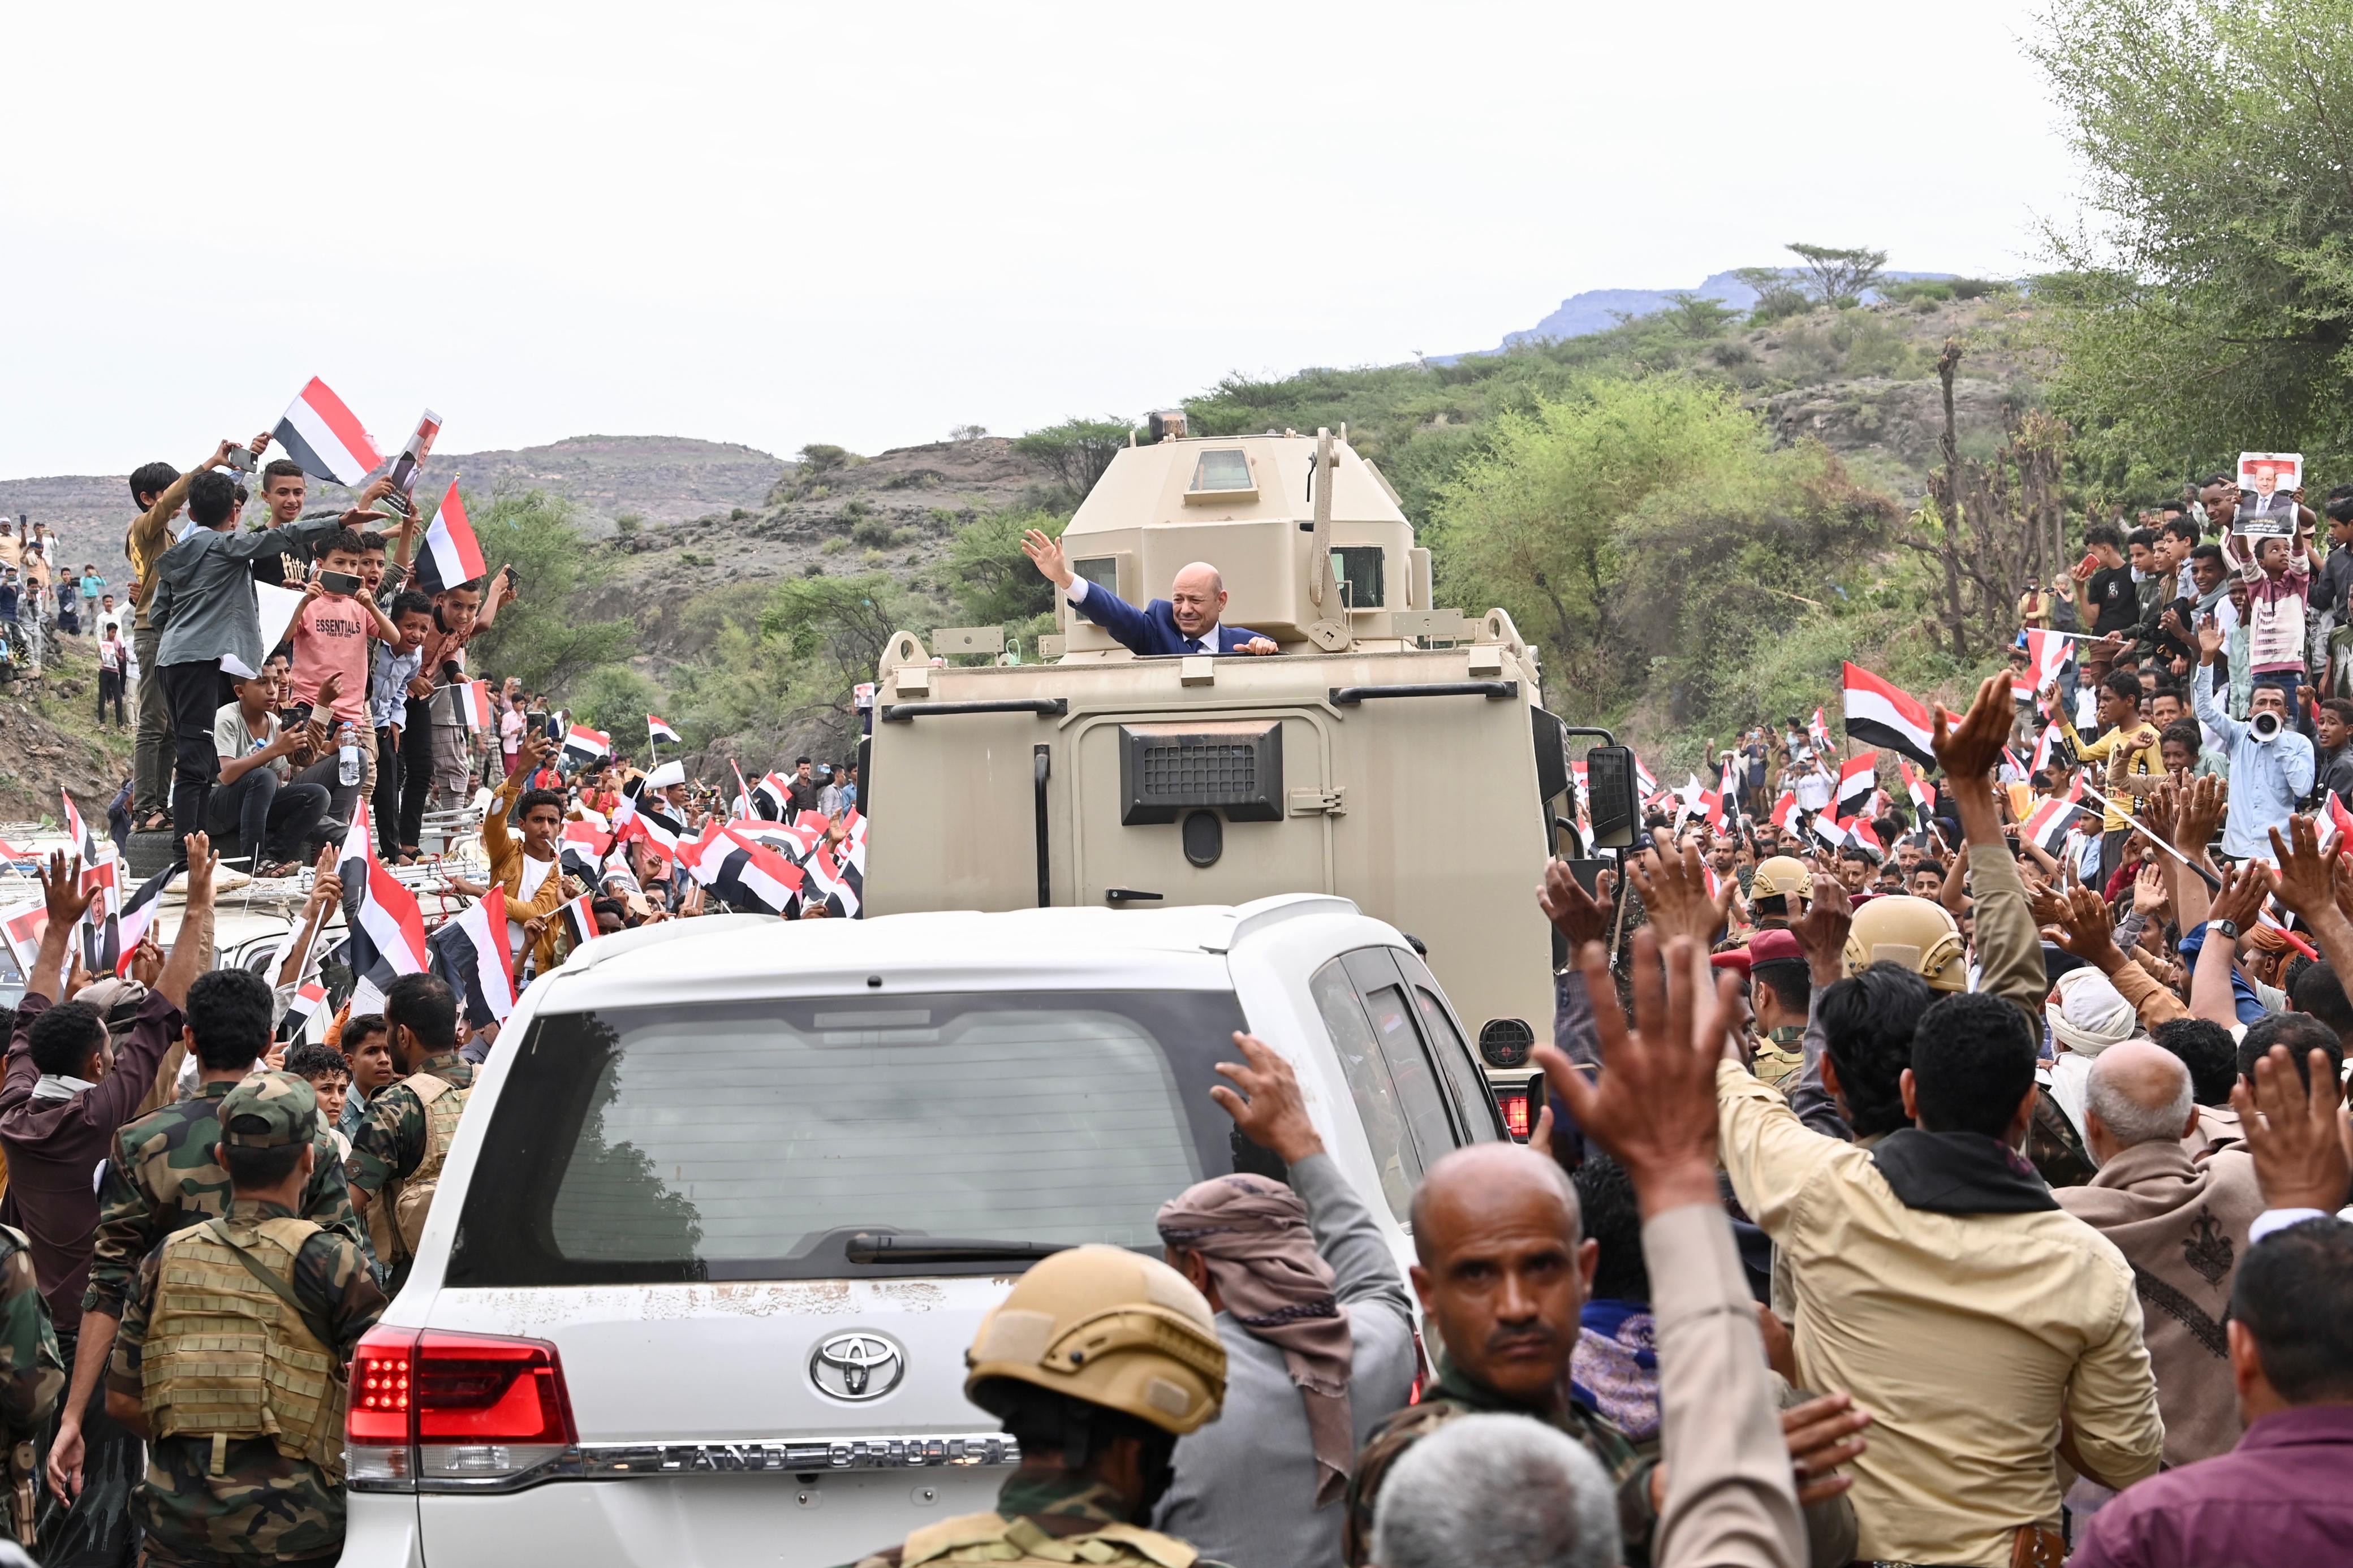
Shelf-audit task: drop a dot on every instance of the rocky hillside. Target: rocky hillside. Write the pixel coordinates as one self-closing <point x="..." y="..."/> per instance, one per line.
<point x="895" y="511"/>
<point x="49" y="738"/>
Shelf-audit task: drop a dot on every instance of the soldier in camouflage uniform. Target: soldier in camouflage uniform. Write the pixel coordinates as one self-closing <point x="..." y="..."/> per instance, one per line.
<point x="396" y="1154"/>
<point x="1502" y="1270"/>
<point x="1096" y="1362"/>
<point x="164" y="1178"/>
<point x="230" y="1355"/>
<point x="31" y="1375"/>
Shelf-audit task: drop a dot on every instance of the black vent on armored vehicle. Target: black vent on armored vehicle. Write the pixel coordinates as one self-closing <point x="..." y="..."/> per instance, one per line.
<point x="1165" y="770"/>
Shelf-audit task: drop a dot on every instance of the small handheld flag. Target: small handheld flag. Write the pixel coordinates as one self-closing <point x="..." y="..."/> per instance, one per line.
<point x="1884" y="715"/>
<point x="658" y="729"/>
<point x="580" y="919"/>
<point x="450" y="555"/>
<point x="1858" y="778"/>
<point x="474" y="705"/>
<point x="473" y="954"/>
<point x="326" y="438"/>
<point x="587" y="744"/>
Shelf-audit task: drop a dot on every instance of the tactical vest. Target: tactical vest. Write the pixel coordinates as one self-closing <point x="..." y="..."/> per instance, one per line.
<point x="397" y="1217"/>
<point x="227" y="1355"/>
<point x="992" y="1538"/>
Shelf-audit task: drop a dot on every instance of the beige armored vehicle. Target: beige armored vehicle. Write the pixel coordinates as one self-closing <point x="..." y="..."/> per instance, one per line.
<point x="1392" y="754"/>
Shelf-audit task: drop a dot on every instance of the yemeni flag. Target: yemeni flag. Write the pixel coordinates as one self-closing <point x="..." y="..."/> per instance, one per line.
<point x="772" y="798"/>
<point x="1923" y="793"/>
<point x="583" y="849"/>
<point x="764" y="875"/>
<point x="85" y="841"/>
<point x="1830" y="830"/>
<point x="587" y="744"/>
<point x="2046" y="654"/>
<point x="138" y="915"/>
<point x="742" y="806"/>
<point x="826" y="873"/>
<point x="298" y="1012"/>
<point x="22" y="929"/>
<point x="580" y="918"/>
<point x="1785" y="813"/>
<point x="474" y="705"/>
<point x="387" y="929"/>
<point x="2050" y="821"/>
<point x="1819" y="732"/>
<point x="1884" y="715"/>
<point x="471" y="952"/>
<point x="2332" y="821"/>
<point x="703" y="858"/>
<point x="1858" y="833"/>
<point x="2046" y="750"/>
<point x="658" y="831"/>
<point x="1858" y="778"/>
<point x="658" y="729"/>
<point x="326" y="437"/>
<point x="450" y="555"/>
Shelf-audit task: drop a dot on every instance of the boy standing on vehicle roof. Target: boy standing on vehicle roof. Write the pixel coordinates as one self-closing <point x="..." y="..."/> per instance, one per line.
<point x="231" y="1354"/>
<point x="397" y="1153"/>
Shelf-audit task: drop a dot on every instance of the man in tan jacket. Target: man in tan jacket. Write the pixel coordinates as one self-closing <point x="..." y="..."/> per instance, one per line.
<point x="1936" y="1280"/>
<point x="2182" y="1226"/>
<point x="528" y="868"/>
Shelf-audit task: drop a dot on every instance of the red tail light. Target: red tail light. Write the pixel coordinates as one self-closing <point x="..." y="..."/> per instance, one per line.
<point x="1513" y="1103"/>
<point x="468" y="1410"/>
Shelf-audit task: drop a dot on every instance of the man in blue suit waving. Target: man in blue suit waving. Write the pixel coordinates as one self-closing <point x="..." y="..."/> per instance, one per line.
<point x="1184" y="622"/>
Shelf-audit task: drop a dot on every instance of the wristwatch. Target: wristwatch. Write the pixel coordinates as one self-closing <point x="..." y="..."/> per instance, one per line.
<point x="2224" y="928"/>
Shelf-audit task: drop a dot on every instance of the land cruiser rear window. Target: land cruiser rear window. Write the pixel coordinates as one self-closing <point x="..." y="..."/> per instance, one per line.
<point x="750" y="1141"/>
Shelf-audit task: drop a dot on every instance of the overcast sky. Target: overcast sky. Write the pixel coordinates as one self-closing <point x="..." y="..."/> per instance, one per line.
<point x="779" y="223"/>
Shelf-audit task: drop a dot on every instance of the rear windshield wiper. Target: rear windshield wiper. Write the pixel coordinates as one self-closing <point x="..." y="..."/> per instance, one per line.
<point x="868" y="1246"/>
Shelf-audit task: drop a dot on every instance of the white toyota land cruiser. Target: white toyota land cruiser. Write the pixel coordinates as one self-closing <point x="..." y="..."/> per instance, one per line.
<point x="731" y="1195"/>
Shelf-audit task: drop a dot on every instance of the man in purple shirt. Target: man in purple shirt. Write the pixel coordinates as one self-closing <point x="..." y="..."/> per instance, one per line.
<point x="2280" y="1495"/>
<point x="63" y="1098"/>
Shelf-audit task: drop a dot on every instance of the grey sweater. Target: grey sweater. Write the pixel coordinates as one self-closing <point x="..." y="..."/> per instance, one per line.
<point x="1245" y="1488"/>
<point x="203" y="595"/>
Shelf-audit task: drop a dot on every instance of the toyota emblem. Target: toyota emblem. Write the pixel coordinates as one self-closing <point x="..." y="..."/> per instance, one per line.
<point x="858" y="1365"/>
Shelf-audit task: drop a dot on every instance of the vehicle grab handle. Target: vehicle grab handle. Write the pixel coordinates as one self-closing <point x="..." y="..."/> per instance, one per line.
<point x="1493" y="691"/>
<point x="1044" y="706"/>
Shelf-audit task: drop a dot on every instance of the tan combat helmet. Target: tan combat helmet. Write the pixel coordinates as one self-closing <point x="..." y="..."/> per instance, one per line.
<point x="1112" y="1328"/>
<point x="1918" y="933"/>
<point x="1781" y="876"/>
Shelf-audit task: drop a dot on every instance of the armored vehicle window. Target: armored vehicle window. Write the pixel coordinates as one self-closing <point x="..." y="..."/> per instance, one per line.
<point x="1224" y="470"/>
<point x="1369" y="1085"/>
<point x="1103" y="571"/>
<point x="1357" y="569"/>
<point x="695" y="1141"/>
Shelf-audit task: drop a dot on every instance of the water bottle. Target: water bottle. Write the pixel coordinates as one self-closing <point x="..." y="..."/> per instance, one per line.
<point x="347" y="770"/>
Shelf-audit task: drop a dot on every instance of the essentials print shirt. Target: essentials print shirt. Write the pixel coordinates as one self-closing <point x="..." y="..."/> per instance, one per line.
<point x="330" y="637"/>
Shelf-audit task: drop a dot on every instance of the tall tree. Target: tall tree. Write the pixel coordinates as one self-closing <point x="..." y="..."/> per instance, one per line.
<point x="2207" y="301"/>
<point x="1840" y="276"/>
<point x="1078" y="450"/>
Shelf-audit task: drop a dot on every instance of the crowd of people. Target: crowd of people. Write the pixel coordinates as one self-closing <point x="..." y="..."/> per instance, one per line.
<point x="1958" y="1178"/>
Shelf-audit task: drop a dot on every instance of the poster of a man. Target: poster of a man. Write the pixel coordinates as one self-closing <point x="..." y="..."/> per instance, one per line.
<point x="405" y="467"/>
<point x="2268" y="484"/>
